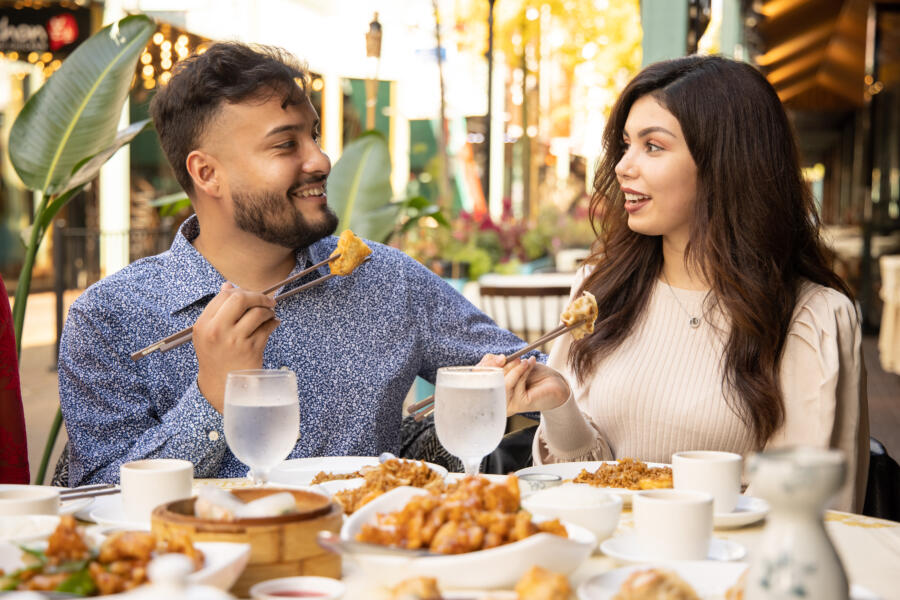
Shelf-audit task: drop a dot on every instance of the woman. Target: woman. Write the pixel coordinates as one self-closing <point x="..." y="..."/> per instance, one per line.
<point x="13" y="449"/>
<point x="721" y="324"/>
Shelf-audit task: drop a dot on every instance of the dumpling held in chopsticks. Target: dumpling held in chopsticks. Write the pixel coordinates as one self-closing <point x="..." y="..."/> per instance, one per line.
<point x="352" y="250"/>
<point x="584" y="309"/>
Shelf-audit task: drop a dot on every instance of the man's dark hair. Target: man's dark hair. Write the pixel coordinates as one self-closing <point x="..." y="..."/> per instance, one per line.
<point x="226" y="72"/>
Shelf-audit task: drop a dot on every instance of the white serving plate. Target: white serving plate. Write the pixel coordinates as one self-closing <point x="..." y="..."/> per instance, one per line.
<point x="499" y="567"/>
<point x="709" y="579"/>
<point x="301" y="471"/>
<point x="570" y="470"/>
<point x="224" y="562"/>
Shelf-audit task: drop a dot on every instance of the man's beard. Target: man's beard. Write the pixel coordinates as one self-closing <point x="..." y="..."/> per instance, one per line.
<point x="274" y="218"/>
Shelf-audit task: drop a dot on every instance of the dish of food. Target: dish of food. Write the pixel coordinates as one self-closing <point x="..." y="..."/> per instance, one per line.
<point x="623" y="477"/>
<point x="500" y="566"/>
<point x="536" y="584"/>
<point x="707" y="581"/>
<point x="302" y="471"/>
<point x="352" y="250"/>
<point x="379" y="479"/>
<point x="70" y="561"/>
<point x="470" y="515"/>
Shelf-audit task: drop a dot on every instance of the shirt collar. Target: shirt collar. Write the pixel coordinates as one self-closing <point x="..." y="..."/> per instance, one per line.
<point x="195" y="280"/>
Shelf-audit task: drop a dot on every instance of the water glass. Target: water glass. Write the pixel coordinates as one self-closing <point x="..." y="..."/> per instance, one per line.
<point x="470" y="412"/>
<point x="262" y="418"/>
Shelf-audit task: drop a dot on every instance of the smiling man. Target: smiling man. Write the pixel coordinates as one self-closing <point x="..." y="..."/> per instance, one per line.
<point x="242" y="137"/>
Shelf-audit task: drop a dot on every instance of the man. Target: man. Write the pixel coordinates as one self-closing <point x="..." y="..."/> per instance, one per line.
<point x="238" y="128"/>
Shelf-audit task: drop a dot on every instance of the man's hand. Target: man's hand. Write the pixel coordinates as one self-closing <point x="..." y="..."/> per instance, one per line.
<point x="231" y="335"/>
<point x="530" y="386"/>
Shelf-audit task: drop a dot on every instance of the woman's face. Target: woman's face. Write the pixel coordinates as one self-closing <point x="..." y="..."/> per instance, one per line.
<point x="657" y="173"/>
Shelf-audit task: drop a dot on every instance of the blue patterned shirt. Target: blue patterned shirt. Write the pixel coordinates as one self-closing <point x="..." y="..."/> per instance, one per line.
<point x="356" y="344"/>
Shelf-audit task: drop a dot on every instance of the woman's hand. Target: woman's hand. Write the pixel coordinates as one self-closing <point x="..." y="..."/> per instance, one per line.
<point x="530" y="386"/>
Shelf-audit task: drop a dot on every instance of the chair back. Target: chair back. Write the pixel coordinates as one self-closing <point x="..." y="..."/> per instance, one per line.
<point x="527" y="311"/>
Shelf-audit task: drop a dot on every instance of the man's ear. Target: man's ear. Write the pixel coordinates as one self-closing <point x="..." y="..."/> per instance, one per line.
<point x="206" y="172"/>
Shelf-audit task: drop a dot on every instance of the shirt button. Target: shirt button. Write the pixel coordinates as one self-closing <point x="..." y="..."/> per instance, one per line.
<point x="213" y="436"/>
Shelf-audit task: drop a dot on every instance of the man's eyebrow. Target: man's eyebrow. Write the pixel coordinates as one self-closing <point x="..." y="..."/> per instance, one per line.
<point x="282" y="129"/>
<point x="648" y="130"/>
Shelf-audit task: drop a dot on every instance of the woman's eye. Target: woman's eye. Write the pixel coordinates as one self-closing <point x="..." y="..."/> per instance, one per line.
<point x="653" y="147"/>
<point x="286" y="145"/>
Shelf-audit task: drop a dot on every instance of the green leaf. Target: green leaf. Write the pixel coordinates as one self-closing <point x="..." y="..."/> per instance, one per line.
<point x="79" y="582"/>
<point x="171" y="204"/>
<point x="87" y="168"/>
<point x="359" y="188"/>
<point x="76" y="112"/>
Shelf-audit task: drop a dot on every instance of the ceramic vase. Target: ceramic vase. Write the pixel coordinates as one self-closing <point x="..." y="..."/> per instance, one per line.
<point x="796" y="559"/>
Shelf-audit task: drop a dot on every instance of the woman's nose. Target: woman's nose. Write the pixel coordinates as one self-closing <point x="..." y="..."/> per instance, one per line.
<point x="625" y="167"/>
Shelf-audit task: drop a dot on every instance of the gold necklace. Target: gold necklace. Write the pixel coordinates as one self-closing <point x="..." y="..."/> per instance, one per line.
<point x="693" y="321"/>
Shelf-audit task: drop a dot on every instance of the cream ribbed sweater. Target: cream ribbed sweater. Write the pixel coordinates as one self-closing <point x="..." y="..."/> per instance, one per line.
<point x="661" y="391"/>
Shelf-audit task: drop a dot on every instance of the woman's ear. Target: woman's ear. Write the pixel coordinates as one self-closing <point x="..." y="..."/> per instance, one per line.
<point x="206" y="172"/>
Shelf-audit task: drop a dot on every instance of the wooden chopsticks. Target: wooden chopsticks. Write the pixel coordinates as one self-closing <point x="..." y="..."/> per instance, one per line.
<point x="425" y="407"/>
<point x="182" y="337"/>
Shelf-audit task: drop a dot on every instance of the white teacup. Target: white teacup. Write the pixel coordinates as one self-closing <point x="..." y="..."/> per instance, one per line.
<point x="718" y="473"/>
<point x="148" y="483"/>
<point x="673" y="524"/>
<point x="29" y="500"/>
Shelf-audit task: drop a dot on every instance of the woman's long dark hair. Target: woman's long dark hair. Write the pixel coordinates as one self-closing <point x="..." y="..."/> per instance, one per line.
<point x="754" y="235"/>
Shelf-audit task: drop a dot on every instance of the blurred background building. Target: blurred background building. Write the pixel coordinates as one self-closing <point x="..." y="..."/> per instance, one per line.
<point x="509" y="154"/>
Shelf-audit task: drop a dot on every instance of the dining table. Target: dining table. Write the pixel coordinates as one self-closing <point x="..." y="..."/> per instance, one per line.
<point x="869" y="549"/>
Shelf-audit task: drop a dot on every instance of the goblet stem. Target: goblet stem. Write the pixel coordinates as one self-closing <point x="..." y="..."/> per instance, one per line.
<point x="259" y="476"/>
<point x="471" y="465"/>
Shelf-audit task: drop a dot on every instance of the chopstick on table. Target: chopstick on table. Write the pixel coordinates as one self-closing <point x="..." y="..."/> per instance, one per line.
<point x="425" y="407"/>
<point x="182" y="337"/>
<point x="89" y="491"/>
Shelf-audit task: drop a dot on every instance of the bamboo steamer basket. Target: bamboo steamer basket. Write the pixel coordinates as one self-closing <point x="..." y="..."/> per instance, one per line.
<point x="283" y="546"/>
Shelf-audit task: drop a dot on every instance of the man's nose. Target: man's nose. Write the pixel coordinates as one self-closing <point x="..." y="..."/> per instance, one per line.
<point x="316" y="161"/>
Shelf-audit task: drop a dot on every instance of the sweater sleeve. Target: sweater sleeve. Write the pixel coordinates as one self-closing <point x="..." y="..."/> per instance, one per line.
<point x="566" y="433"/>
<point x="824" y="387"/>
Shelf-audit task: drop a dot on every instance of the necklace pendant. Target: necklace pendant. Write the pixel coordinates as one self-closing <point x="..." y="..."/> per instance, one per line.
<point x="695" y="322"/>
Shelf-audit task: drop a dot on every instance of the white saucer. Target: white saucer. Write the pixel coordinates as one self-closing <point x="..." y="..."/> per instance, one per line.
<point x="108" y="510"/>
<point x="627" y="549"/>
<point x="748" y="510"/>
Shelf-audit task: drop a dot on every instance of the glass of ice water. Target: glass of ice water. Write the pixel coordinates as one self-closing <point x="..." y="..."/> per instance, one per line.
<point x="470" y="412"/>
<point x="262" y="418"/>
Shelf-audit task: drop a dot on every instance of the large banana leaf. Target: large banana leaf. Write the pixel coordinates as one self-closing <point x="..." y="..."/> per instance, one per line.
<point x="359" y="188"/>
<point x="76" y="112"/>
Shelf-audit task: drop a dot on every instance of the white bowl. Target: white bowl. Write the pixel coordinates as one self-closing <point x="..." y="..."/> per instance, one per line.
<point x="29" y="500"/>
<point x="499" y="567"/>
<point x="325" y="588"/>
<point x="578" y="503"/>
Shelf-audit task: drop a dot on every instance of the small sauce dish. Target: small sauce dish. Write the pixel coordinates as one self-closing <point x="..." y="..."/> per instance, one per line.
<point x="29" y="500"/>
<point x="321" y="588"/>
